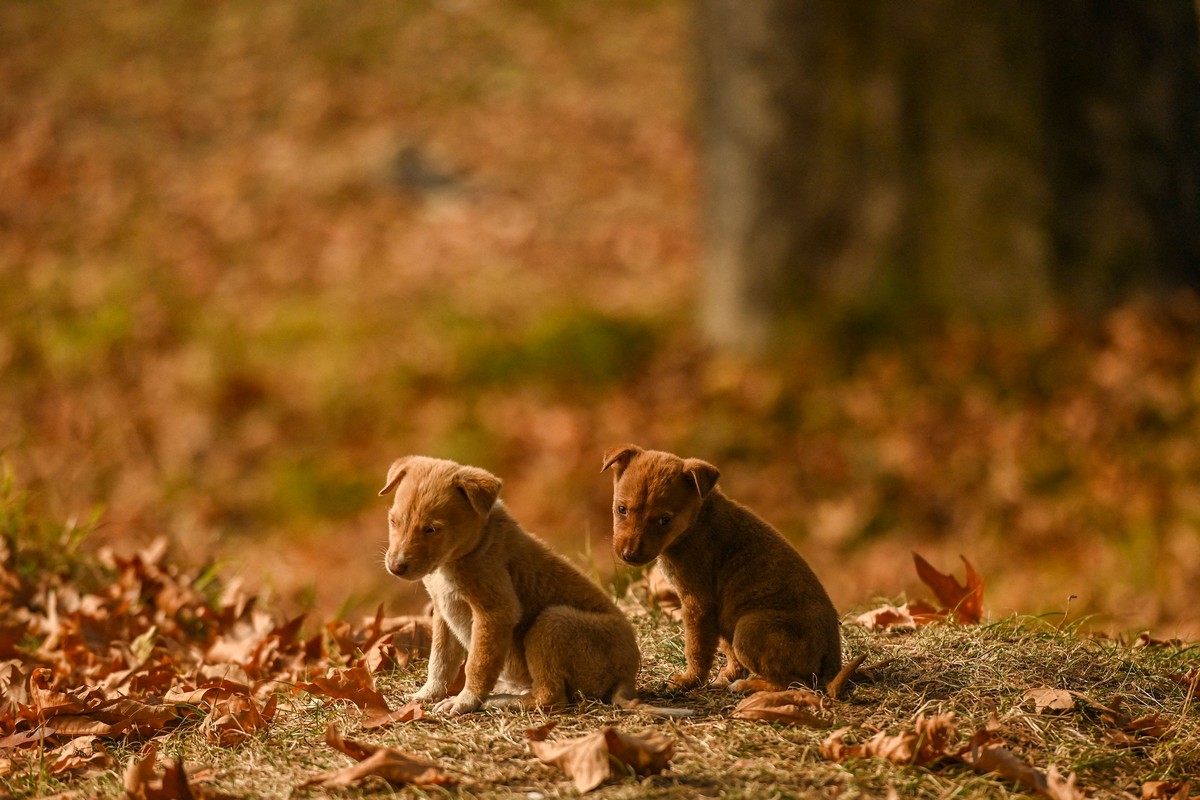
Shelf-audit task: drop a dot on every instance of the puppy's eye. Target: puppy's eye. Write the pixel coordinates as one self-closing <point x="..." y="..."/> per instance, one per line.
<point x="621" y="510"/>
<point x="430" y="529"/>
<point x="664" y="520"/>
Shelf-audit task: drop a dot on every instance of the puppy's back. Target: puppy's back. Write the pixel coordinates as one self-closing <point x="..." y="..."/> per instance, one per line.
<point x="542" y="577"/>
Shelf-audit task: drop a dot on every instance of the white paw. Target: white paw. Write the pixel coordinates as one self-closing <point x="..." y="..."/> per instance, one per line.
<point x="428" y="693"/>
<point x="463" y="703"/>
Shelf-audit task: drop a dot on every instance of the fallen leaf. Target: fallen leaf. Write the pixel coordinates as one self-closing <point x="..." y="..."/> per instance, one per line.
<point x="907" y="617"/>
<point x="1060" y="788"/>
<point x="984" y="754"/>
<point x="1166" y="790"/>
<point x="1144" y="639"/>
<point x="142" y="781"/>
<point x="82" y="753"/>
<point x="887" y="617"/>
<point x="392" y="765"/>
<point x="1045" y="699"/>
<point x="603" y="755"/>
<point x="13" y="682"/>
<point x="965" y="603"/>
<point x="1152" y="726"/>
<point x="992" y="757"/>
<point x="233" y="720"/>
<point x="377" y="718"/>
<point x="356" y="684"/>
<point x="792" y="706"/>
<point x="924" y="744"/>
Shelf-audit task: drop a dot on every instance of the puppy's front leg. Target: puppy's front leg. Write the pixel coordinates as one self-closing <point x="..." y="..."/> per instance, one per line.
<point x="491" y="638"/>
<point x="446" y="655"/>
<point x="700" y="635"/>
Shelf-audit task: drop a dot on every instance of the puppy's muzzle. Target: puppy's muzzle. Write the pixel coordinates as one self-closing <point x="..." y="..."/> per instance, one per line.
<point x="632" y="556"/>
<point x="398" y="567"/>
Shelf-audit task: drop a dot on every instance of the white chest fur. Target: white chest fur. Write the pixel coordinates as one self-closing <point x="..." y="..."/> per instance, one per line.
<point x="450" y="604"/>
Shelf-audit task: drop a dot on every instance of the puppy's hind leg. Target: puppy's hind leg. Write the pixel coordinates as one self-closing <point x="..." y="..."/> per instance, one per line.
<point x="552" y="653"/>
<point x="777" y="652"/>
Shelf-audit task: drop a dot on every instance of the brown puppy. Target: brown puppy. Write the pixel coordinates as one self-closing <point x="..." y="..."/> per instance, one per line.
<point x="743" y="587"/>
<point x="502" y="600"/>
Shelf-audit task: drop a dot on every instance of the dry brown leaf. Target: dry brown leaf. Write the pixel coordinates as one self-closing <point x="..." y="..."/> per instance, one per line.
<point x="1152" y="726"/>
<point x="121" y="715"/>
<point x="924" y="744"/>
<point x="50" y="702"/>
<point x="239" y="643"/>
<point x="377" y="718"/>
<point x="984" y="754"/>
<point x="1046" y="699"/>
<point x="965" y="603"/>
<point x="83" y="753"/>
<point x="393" y="766"/>
<point x="992" y="757"/>
<point x="142" y="782"/>
<point x="887" y="617"/>
<point x="907" y="617"/>
<point x="603" y="755"/>
<point x="207" y="692"/>
<point x="1060" y="788"/>
<point x="1166" y="790"/>
<point x="1144" y="639"/>
<point x="13" y="683"/>
<point x="792" y="706"/>
<point x="357" y="685"/>
<point x="235" y="719"/>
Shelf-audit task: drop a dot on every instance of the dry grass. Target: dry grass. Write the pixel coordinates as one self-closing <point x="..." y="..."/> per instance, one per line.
<point x="977" y="672"/>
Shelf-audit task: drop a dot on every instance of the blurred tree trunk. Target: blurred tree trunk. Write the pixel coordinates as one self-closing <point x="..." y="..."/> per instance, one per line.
<point x="875" y="160"/>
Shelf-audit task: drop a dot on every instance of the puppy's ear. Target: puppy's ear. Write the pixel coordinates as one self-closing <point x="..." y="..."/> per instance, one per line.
<point x="619" y="457"/>
<point x="480" y="488"/>
<point x="701" y="473"/>
<point x="396" y="474"/>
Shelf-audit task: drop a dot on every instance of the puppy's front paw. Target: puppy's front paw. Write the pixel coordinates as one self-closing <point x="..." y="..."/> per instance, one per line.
<point x="428" y="693"/>
<point x="684" y="681"/>
<point x="462" y="703"/>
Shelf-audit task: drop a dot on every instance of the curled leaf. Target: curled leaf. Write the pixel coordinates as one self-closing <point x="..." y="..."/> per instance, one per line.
<point x="965" y="603"/>
<point x="235" y="719"/>
<point x="85" y="753"/>
<point x="924" y="744"/>
<point x="792" y="707"/>
<point x="392" y="765"/>
<point x="603" y="755"/>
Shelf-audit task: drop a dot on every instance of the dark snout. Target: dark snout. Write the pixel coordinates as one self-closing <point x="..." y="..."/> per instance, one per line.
<point x="632" y="555"/>
<point x="397" y="566"/>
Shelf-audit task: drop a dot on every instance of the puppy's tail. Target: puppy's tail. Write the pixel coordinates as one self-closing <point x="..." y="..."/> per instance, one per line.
<point x="625" y="697"/>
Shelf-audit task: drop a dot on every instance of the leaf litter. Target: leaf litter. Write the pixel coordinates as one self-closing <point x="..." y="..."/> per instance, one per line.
<point x="228" y="672"/>
<point x="147" y="651"/>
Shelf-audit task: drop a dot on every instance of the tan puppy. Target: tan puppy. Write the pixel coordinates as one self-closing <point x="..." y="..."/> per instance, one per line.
<point x="743" y="587"/>
<point x="502" y="600"/>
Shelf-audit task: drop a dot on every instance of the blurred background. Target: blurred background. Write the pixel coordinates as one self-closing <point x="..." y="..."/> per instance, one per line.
<point x="914" y="276"/>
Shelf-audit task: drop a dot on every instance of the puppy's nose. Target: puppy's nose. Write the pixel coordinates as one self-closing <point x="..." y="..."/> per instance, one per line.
<point x="398" y="567"/>
<point x="629" y="555"/>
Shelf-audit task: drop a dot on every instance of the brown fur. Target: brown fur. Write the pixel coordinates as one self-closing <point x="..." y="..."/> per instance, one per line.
<point x="503" y="602"/>
<point x="744" y="589"/>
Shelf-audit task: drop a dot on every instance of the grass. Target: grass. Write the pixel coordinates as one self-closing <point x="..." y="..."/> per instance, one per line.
<point x="978" y="672"/>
